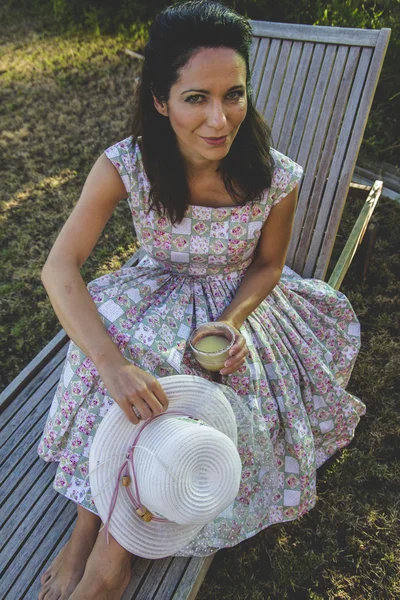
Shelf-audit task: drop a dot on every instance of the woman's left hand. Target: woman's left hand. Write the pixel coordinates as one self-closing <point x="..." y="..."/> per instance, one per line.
<point x="238" y="352"/>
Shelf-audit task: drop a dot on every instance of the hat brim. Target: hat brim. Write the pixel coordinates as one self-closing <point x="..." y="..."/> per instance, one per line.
<point x="200" y="398"/>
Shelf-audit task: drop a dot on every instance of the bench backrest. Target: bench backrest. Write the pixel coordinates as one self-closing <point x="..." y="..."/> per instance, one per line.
<point x="315" y="86"/>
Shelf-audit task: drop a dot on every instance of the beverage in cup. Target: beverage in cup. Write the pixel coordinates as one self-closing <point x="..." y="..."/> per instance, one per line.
<point x="211" y="343"/>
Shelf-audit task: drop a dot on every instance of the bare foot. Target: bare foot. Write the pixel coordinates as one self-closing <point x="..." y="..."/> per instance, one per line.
<point x="107" y="573"/>
<point x="66" y="570"/>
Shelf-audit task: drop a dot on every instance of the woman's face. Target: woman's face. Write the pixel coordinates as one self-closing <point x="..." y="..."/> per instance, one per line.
<point x="207" y="101"/>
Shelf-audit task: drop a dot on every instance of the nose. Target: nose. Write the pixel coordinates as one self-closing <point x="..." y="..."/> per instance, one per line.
<point x="216" y="116"/>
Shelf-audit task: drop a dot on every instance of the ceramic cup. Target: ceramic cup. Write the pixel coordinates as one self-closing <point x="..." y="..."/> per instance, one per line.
<point x="212" y="360"/>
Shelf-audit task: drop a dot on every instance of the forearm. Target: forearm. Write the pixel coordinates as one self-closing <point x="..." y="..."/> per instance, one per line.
<point x="258" y="282"/>
<point x="78" y="314"/>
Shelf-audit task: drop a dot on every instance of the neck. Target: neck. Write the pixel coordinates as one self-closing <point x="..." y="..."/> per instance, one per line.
<point x="203" y="169"/>
<point x="198" y="167"/>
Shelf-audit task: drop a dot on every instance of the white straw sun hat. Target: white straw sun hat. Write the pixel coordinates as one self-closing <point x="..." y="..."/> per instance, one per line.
<point x="155" y="492"/>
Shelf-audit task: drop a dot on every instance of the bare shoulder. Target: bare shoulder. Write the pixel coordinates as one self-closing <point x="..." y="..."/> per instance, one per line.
<point x="105" y="171"/>
<point x="102" y="191"/>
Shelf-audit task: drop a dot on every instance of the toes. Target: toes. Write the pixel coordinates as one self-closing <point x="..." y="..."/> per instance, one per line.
<point x="43" y="592"/>
<point x="45" y="577"/>
<point x="51" y="595"/>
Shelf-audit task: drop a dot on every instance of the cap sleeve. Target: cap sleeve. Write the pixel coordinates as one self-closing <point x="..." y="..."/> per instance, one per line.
<point x="287" y="174"/>
<point x="120" y="154"/>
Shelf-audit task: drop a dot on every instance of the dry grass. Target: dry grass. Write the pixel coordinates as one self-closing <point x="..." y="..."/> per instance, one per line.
<point x="64" y="100"/>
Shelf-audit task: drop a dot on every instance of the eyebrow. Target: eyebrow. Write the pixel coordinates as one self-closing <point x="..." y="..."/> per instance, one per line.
<point x="234" y="87"/>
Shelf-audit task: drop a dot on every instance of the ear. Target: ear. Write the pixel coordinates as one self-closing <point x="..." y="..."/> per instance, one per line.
<point x="160" y="106"/>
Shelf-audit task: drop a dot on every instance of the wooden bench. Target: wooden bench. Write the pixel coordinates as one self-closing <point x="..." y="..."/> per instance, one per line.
<point x="316" y="86"/>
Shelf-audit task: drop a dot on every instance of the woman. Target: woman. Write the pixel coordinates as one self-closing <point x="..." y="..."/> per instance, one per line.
<point x="213" y="206"/>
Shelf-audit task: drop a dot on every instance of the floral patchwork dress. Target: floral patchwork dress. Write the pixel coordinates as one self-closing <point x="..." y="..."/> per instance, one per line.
<point x="303" y="340"/>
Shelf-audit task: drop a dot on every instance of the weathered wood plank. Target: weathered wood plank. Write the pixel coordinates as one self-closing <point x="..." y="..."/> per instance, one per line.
<point x="365" y="98"/>
<point x="154" y="577"/>
<point x="29" y="372"/>
<point x="33" y="591"/>
<point x="140" y="569"/>
<point x="24" y="497"/>
<point x="259" y="66"/>
<point x="288" y="113"/>
<point x="314" y="159"/>
<point x="172" y="578"/>
<point x="267" y="76"/>
<point x="23" y="568"/>
<point x="24" y="456"/>
<point x="338" y="184"/>
<point x="367" y="181"/>
<point x="14" y="454"/>
<point x="351" y="36"/>
<point x="27" y="525"/>
<point x="272" y="100"/>
<point x="193" y="578"/>
<point x="253" y="51"/>
<point x="355" y="237"/>
<point x="26" y="393"/>
<point x="295" y="75"/>
<point x="29" y="413"/>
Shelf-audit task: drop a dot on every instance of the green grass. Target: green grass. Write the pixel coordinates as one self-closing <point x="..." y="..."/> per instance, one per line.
<point x="64" y="99"/>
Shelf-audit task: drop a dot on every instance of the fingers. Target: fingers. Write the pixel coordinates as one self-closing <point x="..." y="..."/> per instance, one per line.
<point x="239" y="352"/>
<point x="149" y="400"/>
<point x="160" y="394"/>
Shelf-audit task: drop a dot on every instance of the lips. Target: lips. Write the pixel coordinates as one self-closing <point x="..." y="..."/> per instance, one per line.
<point x="221" y="141"/>
<point x="215" y="139"/>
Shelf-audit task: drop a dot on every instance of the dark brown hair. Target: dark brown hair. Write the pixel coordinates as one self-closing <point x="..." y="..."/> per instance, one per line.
<point x="175" y="35"/>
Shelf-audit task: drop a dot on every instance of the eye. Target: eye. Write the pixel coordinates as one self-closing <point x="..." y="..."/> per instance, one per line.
<point x="236" y="94"/>
<point x="197" y="98"/>
<point x="191" y="100"/>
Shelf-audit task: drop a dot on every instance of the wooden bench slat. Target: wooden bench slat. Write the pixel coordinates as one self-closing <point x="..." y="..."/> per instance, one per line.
<point x="27" y="524"/>
<point x="29" y="413"/>
<point x="321" y="151"/>
<point x="173" y="576"/>
<point x="140" y="570"/>
<point x="33" y="591"/>
<point x="156" y="573"/>
<point x="24" y="396"/>
<point x="372" y="61"/>
<point x="351" y="36"/>
<point x="294" y="71"/>
<point x="19" y="463"/>
<point x="14" y="459"/>
<point x="34" y="367"/>
<point x="24" y="497"/>
<point x="193" y="578"/>
<point x="338" y="181"/>
<point x="22" y="570"/>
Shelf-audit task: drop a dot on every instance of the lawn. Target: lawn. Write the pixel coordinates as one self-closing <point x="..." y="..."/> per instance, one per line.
<point x="63" y="100"/>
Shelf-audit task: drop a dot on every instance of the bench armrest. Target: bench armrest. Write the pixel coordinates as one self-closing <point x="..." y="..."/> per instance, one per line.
<point x="356" y="236"/>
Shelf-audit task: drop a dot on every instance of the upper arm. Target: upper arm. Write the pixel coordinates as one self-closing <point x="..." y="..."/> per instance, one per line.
<point x="102" y="191"/>
<point x="276" y="231"/>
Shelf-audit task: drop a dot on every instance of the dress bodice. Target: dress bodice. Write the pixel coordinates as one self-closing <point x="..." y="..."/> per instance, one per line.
<point x="209" y="241"/>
